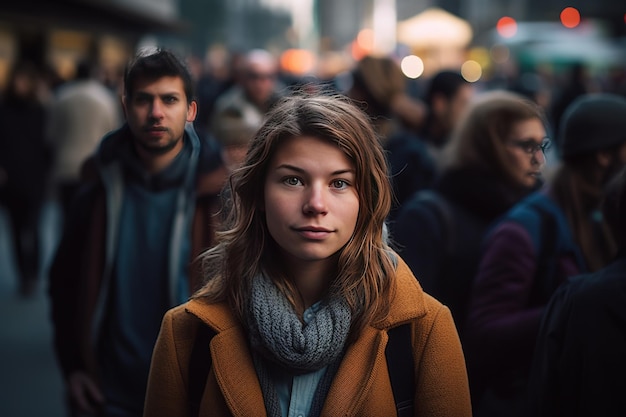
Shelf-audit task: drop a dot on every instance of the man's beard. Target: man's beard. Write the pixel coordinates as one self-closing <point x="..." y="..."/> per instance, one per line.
<point x="159" y="149"/>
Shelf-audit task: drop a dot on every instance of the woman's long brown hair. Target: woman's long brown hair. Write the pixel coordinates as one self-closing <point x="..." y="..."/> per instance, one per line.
<point x="365" y="270"/>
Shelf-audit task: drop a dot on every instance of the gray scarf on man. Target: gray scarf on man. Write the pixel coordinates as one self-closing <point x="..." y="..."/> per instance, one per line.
<point x="278" y="336"/>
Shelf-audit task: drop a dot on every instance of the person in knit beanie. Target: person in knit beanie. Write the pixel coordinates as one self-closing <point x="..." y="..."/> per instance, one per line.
<point x="580" y="347"/>
<point x="593" y="122"/>
<point x="553" y="234"/>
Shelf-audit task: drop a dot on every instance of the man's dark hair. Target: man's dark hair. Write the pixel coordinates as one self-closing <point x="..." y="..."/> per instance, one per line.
<point x="446" y="83"/>
<point x="156" y="64"/>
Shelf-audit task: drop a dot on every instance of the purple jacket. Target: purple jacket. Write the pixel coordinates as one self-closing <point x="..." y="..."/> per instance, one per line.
<point x="504" y="310"/>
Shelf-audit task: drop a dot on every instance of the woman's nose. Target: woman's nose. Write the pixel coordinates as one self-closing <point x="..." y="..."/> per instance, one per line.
<point x="315" y="202"/>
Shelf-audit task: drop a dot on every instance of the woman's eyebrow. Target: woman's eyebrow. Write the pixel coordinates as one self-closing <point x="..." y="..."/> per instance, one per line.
<point x="298" y="169"/>
<point x="289" y="167"/>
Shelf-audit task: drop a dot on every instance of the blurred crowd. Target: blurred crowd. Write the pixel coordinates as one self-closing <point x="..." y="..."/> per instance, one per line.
<point x="500" y="188"/>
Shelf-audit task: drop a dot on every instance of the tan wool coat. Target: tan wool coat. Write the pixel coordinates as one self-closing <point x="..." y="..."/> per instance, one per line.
<point x="361" y="386"/>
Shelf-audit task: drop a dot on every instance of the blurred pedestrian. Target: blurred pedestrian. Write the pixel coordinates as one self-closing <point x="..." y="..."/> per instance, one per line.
<point x="579" y="363"/>
<point x="576" y="82"/>
<point x="256" y="91"/>
<point x="415" y="155"/>
<point x="82" y="111"/>
<point x="494" y="159"/>
<point x="553" y="234"/>
<point x="24" y="165"/>
<point x="219" y="72"/>
<point x="303" y="294"/>
<point x="379" y="89"/>
<point x="447" y="97"/>
<point x="234" y="133"/>
<point x="146" y="211"/>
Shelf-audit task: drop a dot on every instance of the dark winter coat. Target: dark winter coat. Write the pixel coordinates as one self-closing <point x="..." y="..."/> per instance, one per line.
<point x="80" y="275"/>
<point x="439" y="232"/>
<point x="527" y="255"/>
<point x="24" y="154"/>
<point x="579" y="367"/>
<point x="412" y="168"/>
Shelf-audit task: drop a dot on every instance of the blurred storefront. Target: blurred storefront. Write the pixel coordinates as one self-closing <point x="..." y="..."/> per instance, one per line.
<point x="440" y="38"/>
<point x="56" y="34"/>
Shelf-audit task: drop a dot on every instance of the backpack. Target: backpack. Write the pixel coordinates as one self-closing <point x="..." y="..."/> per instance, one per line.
<point x="551" y="237"/>
<point x="399" y="355"/>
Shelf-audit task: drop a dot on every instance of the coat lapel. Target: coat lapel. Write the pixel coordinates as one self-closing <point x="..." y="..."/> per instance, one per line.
<point x="352" y="385"/>
<point x="353" y="381"/>
<point x="235" y="373"/>
<point x="232" y="360"/>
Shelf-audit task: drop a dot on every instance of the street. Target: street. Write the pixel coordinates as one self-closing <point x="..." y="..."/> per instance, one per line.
<point x="30" y="381"/>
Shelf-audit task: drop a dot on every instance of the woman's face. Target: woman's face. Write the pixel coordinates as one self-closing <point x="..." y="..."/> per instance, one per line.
<point x="311" y="202"/>
<point x="524" y="146"/>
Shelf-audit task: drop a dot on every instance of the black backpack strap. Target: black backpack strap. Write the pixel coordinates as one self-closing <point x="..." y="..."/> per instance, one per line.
<point x="199" y="365"/>
<point x="400" y="362"/>
<point x="546" y="264"/>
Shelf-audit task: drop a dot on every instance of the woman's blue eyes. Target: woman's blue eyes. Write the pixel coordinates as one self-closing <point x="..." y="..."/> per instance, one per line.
<point x="292" y="181"/>
<point x="339" y="184"/>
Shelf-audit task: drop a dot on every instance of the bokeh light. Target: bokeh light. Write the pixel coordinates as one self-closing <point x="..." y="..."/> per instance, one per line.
<point x="297" y="61"/>
<point x="471" y="71"/>
<point x="500" y="53"/>
<point x="365" y="39"/>
<point x="506" y="27"/>
<point x="480" y="55"/>
<point x="570" y="17"/>
<point x="363" y="45"/>
<point x="412" y="66"/>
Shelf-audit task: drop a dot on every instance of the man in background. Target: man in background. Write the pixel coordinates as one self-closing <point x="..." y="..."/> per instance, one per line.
<point x="147" y="209"/>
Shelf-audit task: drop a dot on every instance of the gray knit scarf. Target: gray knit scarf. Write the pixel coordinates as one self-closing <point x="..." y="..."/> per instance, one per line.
<point x="277" y="335"/>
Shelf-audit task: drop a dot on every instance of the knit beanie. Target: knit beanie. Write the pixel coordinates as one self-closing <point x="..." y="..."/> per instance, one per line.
<point x="593" y="122"/>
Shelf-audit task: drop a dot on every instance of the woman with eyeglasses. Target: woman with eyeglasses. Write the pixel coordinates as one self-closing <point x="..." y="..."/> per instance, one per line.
<point x="493" y="160"/>
<point x="553" y="234"/>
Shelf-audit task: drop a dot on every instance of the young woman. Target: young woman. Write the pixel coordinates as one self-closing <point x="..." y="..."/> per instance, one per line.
<point x="302" y="289"/>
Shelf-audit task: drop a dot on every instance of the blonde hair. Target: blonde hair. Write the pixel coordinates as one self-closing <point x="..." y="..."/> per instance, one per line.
<point x="245" y="249"/>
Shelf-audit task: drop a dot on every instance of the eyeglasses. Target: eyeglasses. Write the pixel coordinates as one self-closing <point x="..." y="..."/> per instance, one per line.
<point x="531" y="147"/>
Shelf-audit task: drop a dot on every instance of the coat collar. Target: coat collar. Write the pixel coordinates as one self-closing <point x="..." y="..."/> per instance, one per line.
<point x="236" y="375"/>
<point x="408" y="302"/>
